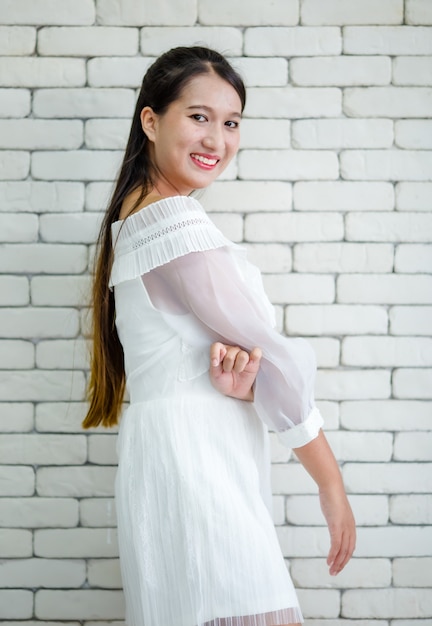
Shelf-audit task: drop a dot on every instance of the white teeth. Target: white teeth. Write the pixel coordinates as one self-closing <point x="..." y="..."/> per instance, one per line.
<point x="204" y="160"/>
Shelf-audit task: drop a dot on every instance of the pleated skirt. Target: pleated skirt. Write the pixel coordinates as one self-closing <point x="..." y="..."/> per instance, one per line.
<point x="197" y="542"/>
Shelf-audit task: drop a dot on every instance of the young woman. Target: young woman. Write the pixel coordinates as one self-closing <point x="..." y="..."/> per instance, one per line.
<point x="196" y="538"/>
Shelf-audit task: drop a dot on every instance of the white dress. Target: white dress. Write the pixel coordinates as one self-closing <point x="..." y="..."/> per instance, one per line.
<point x="196" y="538"/>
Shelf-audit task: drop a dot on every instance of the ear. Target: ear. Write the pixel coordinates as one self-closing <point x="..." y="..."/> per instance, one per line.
<point x="148" y="122"/>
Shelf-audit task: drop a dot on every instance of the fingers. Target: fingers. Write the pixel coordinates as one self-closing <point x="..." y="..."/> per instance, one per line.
<point x="217" y="353"/>
<point x="233" y="358"/>
<point x="341" y="550"/>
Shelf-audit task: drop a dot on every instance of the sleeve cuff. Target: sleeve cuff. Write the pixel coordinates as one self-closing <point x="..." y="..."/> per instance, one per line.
<point x="303" y="433"/>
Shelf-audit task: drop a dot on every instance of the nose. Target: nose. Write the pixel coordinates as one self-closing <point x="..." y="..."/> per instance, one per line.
<point x="213" y="139"/>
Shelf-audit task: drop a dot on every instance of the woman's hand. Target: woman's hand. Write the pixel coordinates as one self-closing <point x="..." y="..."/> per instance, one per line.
<point x="233" y="370"/>
<point x="318" y="459"/>
<point x="340" y="521"/>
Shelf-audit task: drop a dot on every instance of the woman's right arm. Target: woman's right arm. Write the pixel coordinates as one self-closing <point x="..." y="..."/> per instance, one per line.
<point x="209" y="285"/>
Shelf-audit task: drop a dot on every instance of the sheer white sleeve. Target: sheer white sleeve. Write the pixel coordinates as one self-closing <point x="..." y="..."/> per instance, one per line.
<point x="212" y="286"/>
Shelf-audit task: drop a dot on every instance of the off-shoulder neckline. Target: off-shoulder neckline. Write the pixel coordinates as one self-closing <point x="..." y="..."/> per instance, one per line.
<point x="155" y="204"/>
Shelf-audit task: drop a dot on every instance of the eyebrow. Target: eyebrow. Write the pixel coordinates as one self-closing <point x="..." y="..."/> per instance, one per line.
<point x="209" y="109"/>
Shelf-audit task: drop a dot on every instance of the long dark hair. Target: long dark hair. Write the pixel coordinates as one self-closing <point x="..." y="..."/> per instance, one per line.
<point x="162" y="85"/>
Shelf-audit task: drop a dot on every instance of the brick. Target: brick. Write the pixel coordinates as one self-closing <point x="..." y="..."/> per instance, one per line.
<point x="414" y="134"/>
<point x="351" y="446"/>
<point x="361" y="573"/>
<point x="17" y="481"/>
<point x="326" y="351"/>
<point x="387" y="603"/>
<point x="76" y="164"/>
<point x="62" y="417"/>
<point x="105" y="573"/>
<point x="16" y="604"/>
<point x="342" y="133"/>
<point x="43" y="258"/>
<point x="387" y="101"/>
<point x="41" y="197"/>
<point x="38" y="513"/>
<point x="117" y="72"/>
<point x="106" y="134"/>
<point x="60" y="290"/>
<point x="43" y="385"/>
<point x="327" y="12"/>
<point x="98" y="196"/>
<point x="14" y="164"/>
<point x="14" y="102"/>
<point x="155" y="41"/>
<point x="76" y="543"/>
<point x="413" y="258"/>
<point x="286" y="227"/>
<point x="231" y="225"/>
<point x="392" y="40"/>
<point x="62" y="354"/>
<point x="341" y="71"/>
<point x="278" y="13"/>
<point x="87" y="41"/>
<point x="278" y="510"/>
<point x="418" y="12"/>
<point x="330" y="413"/>
<point x="43" y="449"/>
<point x="98" y="512"/>
<point x="14" y="290"/>
<point x="37" y="72"/>
<point x="32" y="134"/>
<point x="16" y="417"/>
<point x="411" y="509"/>
<point x="287" y="165"/>
<point x="71" y="228"/>
<point x="303" y="542"/>
<point x="18" y="228"/>
<point x="81" y="482"/>
<point x="353" y="384"/>
<point x="413" y="196"/>
<point x="409" y="70"/>
<point x="299" y="288"/>
<point x="15" y="543"/>
<point x="291" y="479"/>
<point x="17" y="40"/>
<point x="50" y="623"/>
<point x="319" y="603"/>
<point x="289" y="42"/>
<point x="266" y="134"/>
<point x="79" y="604"/>
<point x="343" y="196"/>
<point x="388" y="478"/>
<point x="42" y="573"/>
<point x="384" y="289"/>
<point x="343" y="257"/>
<point x="294" y="102"/>
<point x="416" y="446"/>
<point x="410" y="320"/>
<point x="102" y="449"/>
<point x="336" y="319"/>
<point x="412" y="383"/>
<point x="129" y="13"/>
<point x="387" y="351"/>
<point x="270" y="258"/>
<point x="28" y="323"/>
<point x="262" y="72"/>
<point x="40" y="12"/>
<point x="412" y="572"/>
<point x="385" y="415"/>
<point x="248" y="196"/>
<point x="16" y="354"/>
<point x="368" y="511"/>
<point x="83" y="103"/>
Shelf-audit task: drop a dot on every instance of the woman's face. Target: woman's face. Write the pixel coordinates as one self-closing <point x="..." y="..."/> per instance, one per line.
<point x="197" y="136"/>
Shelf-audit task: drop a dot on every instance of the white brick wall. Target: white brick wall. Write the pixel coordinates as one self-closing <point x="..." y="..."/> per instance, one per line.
<point x="332" y="197"/>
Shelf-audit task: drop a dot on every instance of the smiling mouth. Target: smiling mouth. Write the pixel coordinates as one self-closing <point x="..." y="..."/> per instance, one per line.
<point x="204" y="161"/>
